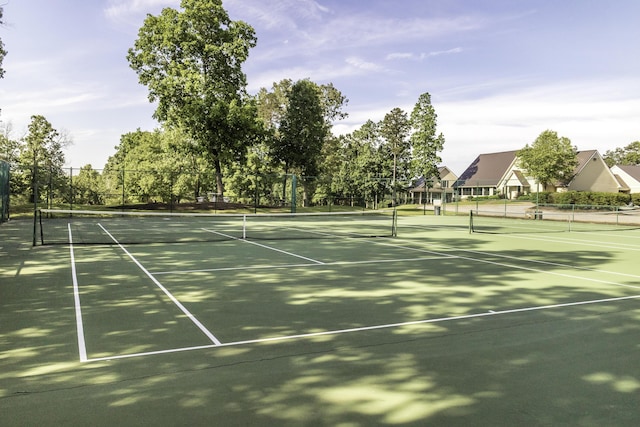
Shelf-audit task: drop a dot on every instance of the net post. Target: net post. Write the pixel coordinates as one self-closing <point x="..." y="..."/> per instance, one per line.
<point x="471" y="221"/>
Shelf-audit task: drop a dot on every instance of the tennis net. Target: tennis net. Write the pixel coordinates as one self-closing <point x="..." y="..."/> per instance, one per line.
<point x="104" y="227"/>
<point x="551" y="221"/>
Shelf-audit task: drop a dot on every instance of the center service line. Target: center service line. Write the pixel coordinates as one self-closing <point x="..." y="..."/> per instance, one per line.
<point x="175" y="301"/>
<point x="82" y="348"/>
<point x="264" y="246"/>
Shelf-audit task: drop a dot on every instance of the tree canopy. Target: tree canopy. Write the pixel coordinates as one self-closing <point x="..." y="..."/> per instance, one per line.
<point x="395" y="129"/>
<point x="425" y="143"/>
<point x="191" y="61"/>
<point x="302" y="130"/>
<point x="629" y="155"/>
<point x="3" y="52"/>
<point x="41" y="157"/>
<point x="550" y="159"/>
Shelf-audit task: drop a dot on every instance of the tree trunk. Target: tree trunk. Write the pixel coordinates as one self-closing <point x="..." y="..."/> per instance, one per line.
<point x="219" y="184"/>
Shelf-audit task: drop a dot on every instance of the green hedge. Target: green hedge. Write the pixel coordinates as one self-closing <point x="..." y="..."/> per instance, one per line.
<point x="585" y="198"/>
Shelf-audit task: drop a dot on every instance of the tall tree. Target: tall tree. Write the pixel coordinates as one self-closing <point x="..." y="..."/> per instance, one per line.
<point x="41" y="154"/>
<point x="158" y="165"/>
<point x="550" y="159"/>
<point x="3" y="52"/>
<point x="273" y="104"/>
<point x="191" y="61"/>
<point x="303" y="131"/>
<point x="9" y="148"/>
<point x="425" y="144"/>
<point x="88" y="187"/>
<point x="359" y="165"/>
<point x="395" y="129"/>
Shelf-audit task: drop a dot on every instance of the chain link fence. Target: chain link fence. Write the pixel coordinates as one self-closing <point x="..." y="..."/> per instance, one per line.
<point x="82" y="188"/>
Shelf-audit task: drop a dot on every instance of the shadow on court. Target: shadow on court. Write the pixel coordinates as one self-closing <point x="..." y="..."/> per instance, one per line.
<point x="566" y="365"/>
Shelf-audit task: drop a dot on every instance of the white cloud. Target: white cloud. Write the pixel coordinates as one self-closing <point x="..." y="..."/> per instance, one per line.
<point x="421" y="56"/>
<point x="123" y="10"/>
<point x="400" y="55"/>
<point x="445" y="52"/>
<point x="360" y="64"/>
<point x="592" y="114"/>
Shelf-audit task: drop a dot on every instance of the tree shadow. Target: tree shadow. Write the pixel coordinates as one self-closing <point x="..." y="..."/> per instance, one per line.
<point x="574" y="365"/>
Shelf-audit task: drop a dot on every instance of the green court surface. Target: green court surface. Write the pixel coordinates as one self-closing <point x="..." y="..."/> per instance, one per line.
<point x="436" y="326"/>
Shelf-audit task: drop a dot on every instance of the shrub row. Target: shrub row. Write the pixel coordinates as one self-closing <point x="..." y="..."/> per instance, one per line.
<point x="585" y="198"/>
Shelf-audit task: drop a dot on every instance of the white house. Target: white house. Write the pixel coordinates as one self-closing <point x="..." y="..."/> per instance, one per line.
<point x="629" y="176"/>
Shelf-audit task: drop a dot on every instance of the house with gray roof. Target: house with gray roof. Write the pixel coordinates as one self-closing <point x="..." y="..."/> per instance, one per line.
<point x="500" y="174"/>
<point x="482" y="176"/>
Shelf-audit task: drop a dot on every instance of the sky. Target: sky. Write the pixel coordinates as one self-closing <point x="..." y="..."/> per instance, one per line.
<point x="500" y="72"/>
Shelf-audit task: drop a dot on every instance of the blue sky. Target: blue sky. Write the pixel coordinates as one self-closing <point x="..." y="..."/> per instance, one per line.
<point x="499" y="71"/>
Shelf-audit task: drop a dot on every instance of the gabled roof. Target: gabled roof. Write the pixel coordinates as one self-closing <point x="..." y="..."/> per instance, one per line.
<point x="419" y="183"/>
<point x="522" y="180"/>
<point x="632" y="170"/>
<point x="583" y="159"/>
<point x="487" y="169"/>
<point x="623" y="185"/>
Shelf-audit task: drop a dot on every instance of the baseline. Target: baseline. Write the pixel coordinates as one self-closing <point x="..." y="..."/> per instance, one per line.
<point x="368" y="328"/>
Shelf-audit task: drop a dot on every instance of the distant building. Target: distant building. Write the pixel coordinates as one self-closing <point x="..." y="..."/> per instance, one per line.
<point x="499" y="174"/>
<point x="628" y="176"/>
<point x="435" y="189"/>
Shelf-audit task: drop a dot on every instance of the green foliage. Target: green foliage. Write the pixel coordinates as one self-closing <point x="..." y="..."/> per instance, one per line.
<point x="629" y="155"/>
<point x="9" y="147"/>
<point x="395" y="129"/>
<point x="88" y="187"/>
<point x="3" y="52"/>
<point x="580" y="198"/>
<point x="303" y="130"/>
<point x="191" y="62"/>
<point x="549" y="159"/>
<point x="157" y="166"/>
<point x="362" y="171"/>
<point x="589" y="198"/>
<point x="425" y="143"/>
<point x="40" y="161"/>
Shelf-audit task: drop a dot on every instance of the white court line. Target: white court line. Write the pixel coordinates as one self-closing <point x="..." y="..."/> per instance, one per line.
<point x="328" y="264"/>
<point x="366" y="328"/>
<point x="264" y="246"/>
<point x="174" y="299"/>
<point x="82" y="347"/>
<point x="519" y="267"/>
<point x="555" y="264"/>
<point x="598" y="244"/>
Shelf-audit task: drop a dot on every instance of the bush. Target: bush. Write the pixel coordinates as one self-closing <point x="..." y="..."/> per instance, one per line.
<point x="585" y="199"/>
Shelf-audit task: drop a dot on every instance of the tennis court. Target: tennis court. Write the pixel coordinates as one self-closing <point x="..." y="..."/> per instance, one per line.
<point x="332" y="320"/>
